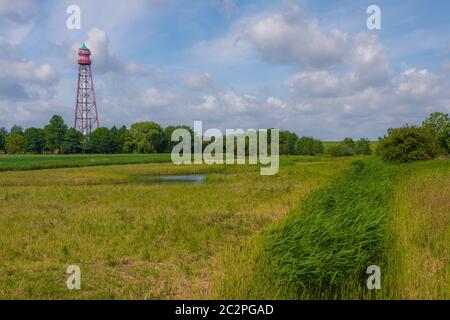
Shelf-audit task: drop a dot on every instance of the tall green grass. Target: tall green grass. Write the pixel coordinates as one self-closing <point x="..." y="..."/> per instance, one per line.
<point x="339" y="233"/>
<point x="322" y="249"/>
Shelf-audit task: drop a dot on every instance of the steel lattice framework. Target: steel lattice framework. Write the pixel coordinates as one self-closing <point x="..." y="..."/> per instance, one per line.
<point x="86" y="114"/>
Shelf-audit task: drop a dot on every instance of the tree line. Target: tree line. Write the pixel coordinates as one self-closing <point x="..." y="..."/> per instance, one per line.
<point x="142" y="137"/>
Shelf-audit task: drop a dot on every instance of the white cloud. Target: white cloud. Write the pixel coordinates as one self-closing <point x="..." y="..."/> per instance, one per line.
<point x="314" y="83"/>
<point x="197" y="81"/>
<point x="208" y="103"/>
<point x="235" y="103"/>
<point x="290" y="38"/>
<point x="276" y="102"/>
<point x="104" y="61"/>
<point x="21" y="78"/>
<point x="417" y="83"/>
<point x="18" y="11"/>
<point x="153" y="97"/>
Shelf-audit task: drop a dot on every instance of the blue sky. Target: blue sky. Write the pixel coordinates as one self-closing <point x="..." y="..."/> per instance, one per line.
<point x="308" y="66"/>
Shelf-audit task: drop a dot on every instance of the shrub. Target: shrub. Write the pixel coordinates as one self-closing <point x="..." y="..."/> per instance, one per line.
<point x="408" y="144"/>
<point x="363" y="147"/>
<point x="309" y="146"/>
<point x="341" y="150"/>
<point x="349" y="143"/>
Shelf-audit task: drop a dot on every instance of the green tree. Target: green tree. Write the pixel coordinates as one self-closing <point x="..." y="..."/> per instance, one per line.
<point x="363" y="147"/>
<point x="35" y="139"/>
<point x="288" y="141"/>
<point x="168" y="136"/>
<point x="117" y="140"/>
<point x="100" y="141"/>
<point x="148" y="137"/>
<point x="54" y="134"/>
<point x="72" y="142"/>
<point x="15" y="143"/>
<point x="16" y="129"/>
<point x="3" y="134"/>
<point x="408" y="144"/>
<point x="439" y="124"/>
<point x="309" y="146"/>
<point x="125" y="136"/>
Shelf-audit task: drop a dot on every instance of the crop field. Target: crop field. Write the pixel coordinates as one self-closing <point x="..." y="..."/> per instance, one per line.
<point x="308" y="232"/>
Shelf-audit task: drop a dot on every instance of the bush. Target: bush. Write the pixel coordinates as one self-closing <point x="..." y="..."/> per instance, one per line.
<point x="408" y="144"/>
<point x="15" y="143"/>
<point x="309" y="146"/>
<point x="363" y="147"/>
<point x="341" y="150"/>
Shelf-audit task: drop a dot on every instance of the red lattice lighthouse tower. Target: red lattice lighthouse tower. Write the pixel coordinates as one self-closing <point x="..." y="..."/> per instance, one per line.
<point x="86" y="114"/>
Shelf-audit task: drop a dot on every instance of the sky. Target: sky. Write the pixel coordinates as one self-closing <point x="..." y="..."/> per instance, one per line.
<point x="312" y="67"/>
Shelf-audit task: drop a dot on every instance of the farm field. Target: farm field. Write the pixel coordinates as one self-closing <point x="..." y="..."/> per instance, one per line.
<point x="37" y="162"/>
<point x="302" y="234"/>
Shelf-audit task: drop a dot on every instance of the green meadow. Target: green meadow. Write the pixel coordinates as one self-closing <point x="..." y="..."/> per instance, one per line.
<point x="309" y="232"/>
<point x="37" y="162"/>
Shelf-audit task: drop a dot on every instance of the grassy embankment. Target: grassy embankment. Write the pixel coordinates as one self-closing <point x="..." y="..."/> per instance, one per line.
<point x="37" y="162"/>
<point x="133" y="238"/>
<point x="396" y="217"/>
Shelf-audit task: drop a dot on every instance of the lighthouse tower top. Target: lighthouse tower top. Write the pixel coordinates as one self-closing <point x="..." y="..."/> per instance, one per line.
<point x="84" y="55"/>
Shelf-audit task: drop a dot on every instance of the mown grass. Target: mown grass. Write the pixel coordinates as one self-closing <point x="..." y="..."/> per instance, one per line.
<point x="134" y="239"/>
<point x="38" y="162"/>
<point x="395" y="217"/>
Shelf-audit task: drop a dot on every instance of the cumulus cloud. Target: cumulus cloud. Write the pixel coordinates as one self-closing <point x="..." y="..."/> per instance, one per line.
<point x="105" y="62"/>
<point x="291" y="38"/>
<point x="276" y="102"/>
<point x="417" y="83"/>
<point x="208" y="103"/>
<point x="21" y="78"/>
<point x="153" y="97"/>
<point x="314" y="83"/>
<point x="197" y="81"/>
<point x="18" y="11"/>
